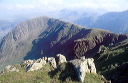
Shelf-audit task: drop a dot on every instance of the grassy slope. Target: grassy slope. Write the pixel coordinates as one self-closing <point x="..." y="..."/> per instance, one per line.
<point x="108" y="61"/>
<point x="64" y="74"/>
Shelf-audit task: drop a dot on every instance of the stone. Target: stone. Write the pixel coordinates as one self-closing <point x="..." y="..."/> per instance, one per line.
<point x="61" y="59"/>
<point x="10" y="68"/>
<point x="83" y="57"/>
<point x="38" y="64"/>
<point x="45" y="58"/>
<point x="34" y="66"/>
<point x="42" y="61"/>
<point x="27" y="63"/>
<point x="52" y="61"/>
<point x="91" y="65"/>
<point x="82" y="66"/>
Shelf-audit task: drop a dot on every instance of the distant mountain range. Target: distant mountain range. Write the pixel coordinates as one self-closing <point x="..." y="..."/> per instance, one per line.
<point x="68" y="15"/>
<point x="5" y="27"/>
<point x="45" y="36"/>
<point x="113" y="21"/>
<point x="8" y="25"/>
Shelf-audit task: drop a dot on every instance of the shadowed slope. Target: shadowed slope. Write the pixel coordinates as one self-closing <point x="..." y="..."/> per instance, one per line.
<point x="47" y="37"/>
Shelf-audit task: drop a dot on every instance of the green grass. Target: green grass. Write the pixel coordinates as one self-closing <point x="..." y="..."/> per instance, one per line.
<point x="108" y="61"/>
<point x="24" y="77"/>
<point x="64" y="74"/>
<point x="92" y="78"/>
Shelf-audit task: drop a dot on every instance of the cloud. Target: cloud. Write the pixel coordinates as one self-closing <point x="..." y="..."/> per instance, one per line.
<point x="31" y="4"/>
<point x="15" y="7"/>
<point x="60" y="4"/>
<point x="113" y="5"/>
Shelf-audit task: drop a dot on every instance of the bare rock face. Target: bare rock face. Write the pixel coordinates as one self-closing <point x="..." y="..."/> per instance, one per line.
<point x="38" y="64"/>
<point x="27" y="63"/>
<point x="82" y="66"/>
<point x="61" y="58"/>
<point x="35" y="66"/>
<point x="18" y="42"/>
<point x="41" y="61"/>
<point x="52" y="61"/>
<point x="91" y="65"/>
<point x="45" y="58"/>
<point x="10" y="68"/>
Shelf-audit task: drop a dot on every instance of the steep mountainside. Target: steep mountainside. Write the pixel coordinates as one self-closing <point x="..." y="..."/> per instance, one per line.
<point x="45" y="36"/>
<point x="112" y="62"/>
<point x="69" y="15"/>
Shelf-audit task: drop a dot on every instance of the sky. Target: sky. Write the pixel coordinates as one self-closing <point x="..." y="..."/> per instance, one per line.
<point x="16" y="7"/>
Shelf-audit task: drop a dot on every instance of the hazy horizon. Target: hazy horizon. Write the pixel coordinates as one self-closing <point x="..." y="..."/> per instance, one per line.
<point x="26" y="8"/>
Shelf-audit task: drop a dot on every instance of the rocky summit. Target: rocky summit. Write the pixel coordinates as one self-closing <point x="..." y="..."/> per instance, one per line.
<point x="80" y="66"/>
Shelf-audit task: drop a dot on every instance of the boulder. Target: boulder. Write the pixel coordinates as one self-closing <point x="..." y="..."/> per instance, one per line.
<point x="82" y="58"/>
<point x="61" y="58"/>
<point x="52" y="61"/>
<point x="42" y="61"/>
<point x="10" y="68"/>
<point x="82" y="66"/>
<point x="34" y="66"/>
<point x="91" y="65"/>
<point x="45" y="58"/>
<point x="27" y="63"/>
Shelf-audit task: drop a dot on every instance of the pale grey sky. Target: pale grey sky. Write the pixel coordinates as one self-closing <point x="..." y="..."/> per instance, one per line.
<point x="113" y="5"/>
<point x="12" y="7"/>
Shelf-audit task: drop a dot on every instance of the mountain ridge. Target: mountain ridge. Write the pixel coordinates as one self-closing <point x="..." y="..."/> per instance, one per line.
<point x="46" y="36"/>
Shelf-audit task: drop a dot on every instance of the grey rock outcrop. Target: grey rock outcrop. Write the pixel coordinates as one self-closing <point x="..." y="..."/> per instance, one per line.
<point x="82" y="66"/>
<point x="61" y="58"/>
<point x="91" y="65"/>
<point x="38" y="64"/>
<point x="41" y="61"/>
<point x="45" y="58"/>
<point x="35" y="66"/>
<point x="27" y="63"/>
<point x="52" y="61"/>
<point x="10" y="68"/>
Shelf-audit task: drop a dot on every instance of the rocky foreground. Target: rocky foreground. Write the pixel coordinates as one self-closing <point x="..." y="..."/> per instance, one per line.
<point x="81" y="66"/>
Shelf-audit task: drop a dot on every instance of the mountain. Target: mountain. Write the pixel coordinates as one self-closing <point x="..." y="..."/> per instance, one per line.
<point x="72" y="15"/>
<point x="69" y="15"/>
<point x="45" y="36"/>
<point x="112" y="62"/>
<point x="113" y="21"/>
<point x="8" y="25"/>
